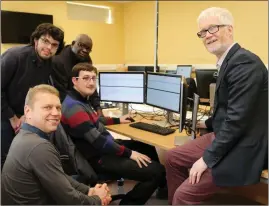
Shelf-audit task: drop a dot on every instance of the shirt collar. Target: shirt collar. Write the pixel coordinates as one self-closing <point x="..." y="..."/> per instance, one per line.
<point x="221" y="59"/>
<point x="35" y="130"/>
<point x="74" y="93"/>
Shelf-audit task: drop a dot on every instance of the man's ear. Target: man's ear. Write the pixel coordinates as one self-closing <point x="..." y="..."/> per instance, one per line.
<point x="74" y="80"/>
<point x="27" y="110"/>
<point x="73" y="42"/>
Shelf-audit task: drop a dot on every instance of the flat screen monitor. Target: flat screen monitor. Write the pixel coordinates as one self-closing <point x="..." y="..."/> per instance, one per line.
<point x="143" y="68"/>
<point x="125" y="87"/>
<point x="194" y="115"/>
<point x="17" y="27"/>
<point x="184" y="70"/>
<point x="204" y="77"/>
<point x="163" y="91"/>
<point x="171" y="72"/>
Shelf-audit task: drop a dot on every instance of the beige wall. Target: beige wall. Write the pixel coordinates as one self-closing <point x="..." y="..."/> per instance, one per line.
<point x="108" y="39"/>
<point x="131" y="38"/>
<point x="178" y="43"/>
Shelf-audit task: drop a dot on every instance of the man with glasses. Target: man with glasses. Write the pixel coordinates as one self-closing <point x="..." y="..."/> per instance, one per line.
<point x="22" y="68"/>
<point x="77" y="52"/>
<point x="234" y="154"/>
<point x="106" y="155"/>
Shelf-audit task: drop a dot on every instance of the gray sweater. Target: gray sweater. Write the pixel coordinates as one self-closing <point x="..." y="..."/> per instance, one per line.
<point x="33" y="175"/>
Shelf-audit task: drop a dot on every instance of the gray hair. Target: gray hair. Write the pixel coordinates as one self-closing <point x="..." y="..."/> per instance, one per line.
<point x="225" y="17"/>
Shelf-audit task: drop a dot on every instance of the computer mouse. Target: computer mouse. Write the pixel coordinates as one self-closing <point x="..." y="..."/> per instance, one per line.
<point x="130" y="119"/>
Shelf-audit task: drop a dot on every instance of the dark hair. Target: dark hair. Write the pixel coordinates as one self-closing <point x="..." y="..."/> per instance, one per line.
<point x="83" y="67"/>
<point x="47" y="28"/>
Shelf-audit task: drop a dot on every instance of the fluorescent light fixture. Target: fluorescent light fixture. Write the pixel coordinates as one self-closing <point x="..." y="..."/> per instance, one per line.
<point x="109" y="19"/>
<point x="90" y="5"/>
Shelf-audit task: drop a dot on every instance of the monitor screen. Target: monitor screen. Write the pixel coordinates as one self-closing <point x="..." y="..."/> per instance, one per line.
<point x="122" y="87"/>
<point x="184" y="70"/>
<point x="163" y="91"/>
<point x="204" y="77"/>
<point x="17" y="27"/>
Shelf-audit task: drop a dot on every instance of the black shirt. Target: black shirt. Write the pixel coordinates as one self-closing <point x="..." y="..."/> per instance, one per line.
<point x="21" y="69"/>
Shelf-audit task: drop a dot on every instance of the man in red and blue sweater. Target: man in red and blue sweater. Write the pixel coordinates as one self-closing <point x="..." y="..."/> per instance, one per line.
<point x="105" y="155"/>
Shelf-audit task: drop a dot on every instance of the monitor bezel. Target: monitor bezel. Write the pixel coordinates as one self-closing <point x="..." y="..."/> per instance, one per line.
<point x="146" y="90"/>
<point x="127" y="72"/>
<point x="185" y="65"/>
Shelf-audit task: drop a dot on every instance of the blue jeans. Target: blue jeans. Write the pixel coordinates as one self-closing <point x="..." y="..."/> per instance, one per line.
<point x="7" y="135"/>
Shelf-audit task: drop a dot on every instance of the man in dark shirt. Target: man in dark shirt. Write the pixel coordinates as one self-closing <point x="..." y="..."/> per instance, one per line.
<point x="98" y="146"/>
<point x="22" y="68"/>
<point x="32" y="174"/>
<point x="77" y="52"/>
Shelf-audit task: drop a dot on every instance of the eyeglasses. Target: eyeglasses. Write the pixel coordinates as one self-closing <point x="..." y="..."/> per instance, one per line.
<point x="87" y="78"/>
<point x="47" y="42"/>
<point x="213" y="29"/>
<point x="84" y="46"/>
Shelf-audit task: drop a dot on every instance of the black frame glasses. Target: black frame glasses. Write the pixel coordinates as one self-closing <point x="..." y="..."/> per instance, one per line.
<point x="212" y="29"/>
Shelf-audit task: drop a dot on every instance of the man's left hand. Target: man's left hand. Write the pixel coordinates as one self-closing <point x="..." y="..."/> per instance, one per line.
<point x="197" y="170"/>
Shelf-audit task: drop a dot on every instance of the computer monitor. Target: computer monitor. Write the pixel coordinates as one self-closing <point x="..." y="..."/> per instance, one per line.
<point x="169" y="92"/>
<point x="143" y="68"/>
<point x="184" y="70"/>
<point x="125" y="87"/>
<point x="163" y="91"/>
<point x="194" y="115"/>
<point x="171" y="72"/>
<point x="204" y="77"/>
<point x="183" y="104"/>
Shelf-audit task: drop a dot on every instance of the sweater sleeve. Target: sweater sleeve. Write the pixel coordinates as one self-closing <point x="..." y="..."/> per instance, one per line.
<point x="8" y="68"/>
<point x="83" y="125"/>
<point x="45" y="163"/>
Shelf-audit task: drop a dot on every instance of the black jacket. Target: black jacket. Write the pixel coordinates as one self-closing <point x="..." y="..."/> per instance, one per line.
<point x="72" y="160"/>
<point x="20" y="69"/>
<point x="239" y="120"/>
<point x="61" y="74"/>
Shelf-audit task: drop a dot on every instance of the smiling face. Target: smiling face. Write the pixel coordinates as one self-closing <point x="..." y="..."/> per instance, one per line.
<point x="44" y="112"/>
<point x="218" y="37"/>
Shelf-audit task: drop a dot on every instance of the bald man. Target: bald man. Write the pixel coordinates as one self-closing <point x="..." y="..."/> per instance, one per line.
<point x="77" y="52"/>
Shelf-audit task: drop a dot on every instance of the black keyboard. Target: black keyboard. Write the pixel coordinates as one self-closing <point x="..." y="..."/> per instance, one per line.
<point x="152" y="128"/>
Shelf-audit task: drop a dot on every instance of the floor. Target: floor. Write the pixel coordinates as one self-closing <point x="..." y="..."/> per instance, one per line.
<point x="218" y="199"/>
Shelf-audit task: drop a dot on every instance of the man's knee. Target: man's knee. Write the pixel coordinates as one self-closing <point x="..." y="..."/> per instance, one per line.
<point x="172" y="157"/>
<point x="183" y="196"/>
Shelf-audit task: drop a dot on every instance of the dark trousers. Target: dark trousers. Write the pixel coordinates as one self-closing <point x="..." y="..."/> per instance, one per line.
<point x="178" y="161"/>
<point x="149" y="178"/>
<point x="7" y="135"/>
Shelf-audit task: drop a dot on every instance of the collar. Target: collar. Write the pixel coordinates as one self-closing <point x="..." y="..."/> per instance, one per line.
<point x="35" y="130"/>
<point x="74" y="58"/>
<point x="221" y="59"/>
<point x="75" y="94"/>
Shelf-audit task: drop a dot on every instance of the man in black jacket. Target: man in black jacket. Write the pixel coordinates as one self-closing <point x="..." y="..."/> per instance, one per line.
<point x="234" y="154"/>
<point x="77" y="52"/>
<point x="22" y="68"/>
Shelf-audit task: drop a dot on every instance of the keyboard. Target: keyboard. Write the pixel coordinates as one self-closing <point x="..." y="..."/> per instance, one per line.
<point x="152" y="128"/>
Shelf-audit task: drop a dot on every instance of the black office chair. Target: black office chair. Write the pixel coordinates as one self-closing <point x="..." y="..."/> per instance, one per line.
<point x="74" y="163"/>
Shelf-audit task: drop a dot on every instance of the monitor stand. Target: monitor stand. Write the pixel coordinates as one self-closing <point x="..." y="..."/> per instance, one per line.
<point x="125" y="108"/>
<point x="169" y="117"/>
